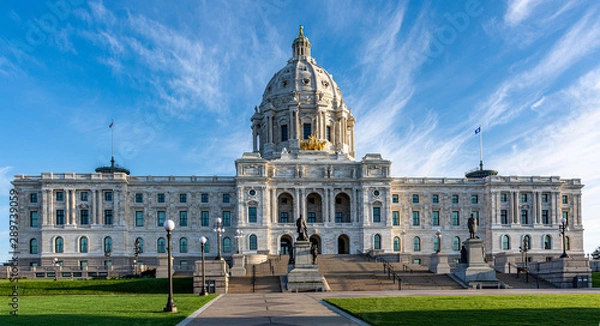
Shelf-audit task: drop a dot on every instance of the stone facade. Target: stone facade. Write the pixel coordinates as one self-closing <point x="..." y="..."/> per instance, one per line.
<point x="302" y="164"/>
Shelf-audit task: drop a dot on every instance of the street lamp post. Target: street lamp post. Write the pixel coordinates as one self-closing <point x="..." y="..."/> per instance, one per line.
<point x="438" y="234"/>
<point x="55" y="264"/>
<point x="219" y="229"/>
<point x="202" y="242"/>
<point x="238" y="237"/>
<point x="136" y="253"/>
<point x="169" y="225"/>
<point x="562" y="229"/>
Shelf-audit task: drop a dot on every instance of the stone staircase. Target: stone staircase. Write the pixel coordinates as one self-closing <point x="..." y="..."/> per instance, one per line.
<point x="520" y="283"/>
<point x="267" y="277"/>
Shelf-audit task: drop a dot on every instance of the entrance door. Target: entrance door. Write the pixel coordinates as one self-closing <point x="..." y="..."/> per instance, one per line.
<point x="285" y="245"/>
<point x="343" y="245"/>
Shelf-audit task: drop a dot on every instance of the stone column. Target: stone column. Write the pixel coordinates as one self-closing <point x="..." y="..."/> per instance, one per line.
<point x="51" y="207"/>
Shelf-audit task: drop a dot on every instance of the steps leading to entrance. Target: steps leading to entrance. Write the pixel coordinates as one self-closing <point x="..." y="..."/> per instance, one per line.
<point x="520" y="283"/>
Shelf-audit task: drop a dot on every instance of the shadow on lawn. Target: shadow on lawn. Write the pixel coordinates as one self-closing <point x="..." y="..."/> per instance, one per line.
<point x="49" y="320"/>
<point x="561" y="316"/>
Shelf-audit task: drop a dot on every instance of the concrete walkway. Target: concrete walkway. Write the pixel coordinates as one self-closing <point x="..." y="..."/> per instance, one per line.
<point x="308" y="309"/>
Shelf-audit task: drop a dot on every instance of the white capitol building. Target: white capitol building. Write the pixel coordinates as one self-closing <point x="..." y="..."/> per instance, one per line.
<point x="302" y="164"/>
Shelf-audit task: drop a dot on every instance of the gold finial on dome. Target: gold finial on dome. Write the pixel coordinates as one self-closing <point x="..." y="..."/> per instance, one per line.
<point x="301" y="31"/>
<point x="301" y="45"/>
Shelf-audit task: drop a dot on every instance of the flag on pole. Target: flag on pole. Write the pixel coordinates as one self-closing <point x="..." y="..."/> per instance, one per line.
<point x="111" y="124"/>
<point x="478" y="130"/>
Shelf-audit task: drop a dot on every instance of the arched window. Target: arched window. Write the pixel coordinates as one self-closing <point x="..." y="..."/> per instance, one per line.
<point x="505" y="242"/>
<point x="547" y="242"/>
<point x="161" y="246"/>
<point x="527" y="242"/>
<point x="417" y="244"/>
<point x="108" y="244"/>
<point x="140" y="242"/>
<point x="456" y="244"/>
<point x="183" y="245"/>
<point x="59" y="245"/>
<point x="253" y="242"/>
<point x="567" y="243"/>
<point x="83" y="244"/>
<point x="396" y="244"/>
<point x="33" y="246"/>
<point x="377" y="241"/>
<point x="436" y="244"/>
<point x="226" y="245"/>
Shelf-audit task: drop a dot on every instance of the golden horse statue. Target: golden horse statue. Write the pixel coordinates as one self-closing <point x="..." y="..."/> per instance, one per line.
<point x="312" y="144"/>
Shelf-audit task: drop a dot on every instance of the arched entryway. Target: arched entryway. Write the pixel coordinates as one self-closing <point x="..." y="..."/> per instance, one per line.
<point x="316" y="240"/>
<point x="343" y="243"/>
<point x="342" y="208"/>
<point x="285" y="245"/>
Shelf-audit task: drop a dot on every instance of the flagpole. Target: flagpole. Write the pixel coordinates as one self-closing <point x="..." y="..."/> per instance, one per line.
<point x="480" y="148"/>
<point x="112" y="143"/>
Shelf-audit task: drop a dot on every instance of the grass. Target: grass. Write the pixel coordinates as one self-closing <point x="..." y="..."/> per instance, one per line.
<point x="596" y="279"/>
<point x="91" y="310"/>
<point x="567" y="309"/>
<point x="98" y="287"/>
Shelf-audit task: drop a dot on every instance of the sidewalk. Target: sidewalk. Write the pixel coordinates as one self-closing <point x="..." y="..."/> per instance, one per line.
<point x="307" y="309"/>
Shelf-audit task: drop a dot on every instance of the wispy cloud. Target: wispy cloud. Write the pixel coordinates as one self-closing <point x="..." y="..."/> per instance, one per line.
<point x="519" y="10"/>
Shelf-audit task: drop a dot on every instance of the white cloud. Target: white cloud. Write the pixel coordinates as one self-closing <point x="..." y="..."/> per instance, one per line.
<point x="519" y="10"/>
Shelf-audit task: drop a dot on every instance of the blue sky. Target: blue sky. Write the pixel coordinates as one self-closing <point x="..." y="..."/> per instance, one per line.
<point x="181" y="79"/>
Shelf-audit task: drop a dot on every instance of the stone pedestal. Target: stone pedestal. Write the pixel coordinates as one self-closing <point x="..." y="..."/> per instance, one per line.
<point x="475" y="270"/>
<point x="565" y="273"/>
<point x="305" y="276"/>
<point x="239" y="265"/>
<point x="439" y="263"/>
<point x="162" y="270"/>
<point x="217" y="277"/>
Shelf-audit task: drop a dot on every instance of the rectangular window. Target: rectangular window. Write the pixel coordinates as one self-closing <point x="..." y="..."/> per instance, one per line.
<point x="204" y="218"/>
<point x="435" y="218"/>
<point x="454" y="199"/>
<point x="504" y="216"/>
<point x="415" y="199"/>
<point x="545" y="198"/>
<point x="108" y="196"/>
<point x="523" y="198"/>
<point x="139" y="198"/>
<point x="565" y="215"/>
<point x="565" y="199"/>
<point x="306" y="130"/>
<point x="183" y="198"/>
<point x="415" y="218"/>
<point x="328" y="133"/>
<point x="524" y="217"/>
<point x="204" y="198"/>
<point x="252" y="218"/>
<point x="33" y="198"/>
<point x="376" y="214"/>
<point x="455" y="218"/>
<point x="312" y="217"/>
<point x="60" y="217"/>
<point x="33" y="219"/>
<point x="183" y="218"/>
<point x="284" y="133"/>
<point x="139" y="218"/>
<point x="338" y="217"/>
<point x="283" y="217"/>
<point x="474" y="199"/>
<point x="84" y="195"/>
<point x="503" y="197"/>
<point x="545" y="217"/>
<point x="84" y="217"/>
<point x="226" y="218"/>
<point x="160" y="198"/>
<point x="108" y="217"/>
<point x="160" y="217"/>
<point x="395" y="199"/>
<point x="396" y="218"/>
<point x="60" y="196"/>
<point x="226" y="198"/>
<point x="435" y="199"/>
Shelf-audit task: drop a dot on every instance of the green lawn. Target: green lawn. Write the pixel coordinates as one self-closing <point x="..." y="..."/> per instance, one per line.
<point x="98" y="287"/>
<point x="90" y="310"/>
<point x="576" y="309"/>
